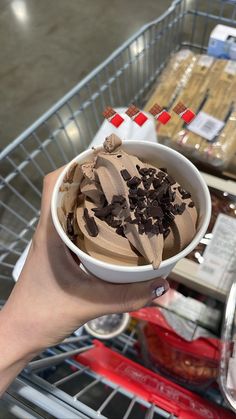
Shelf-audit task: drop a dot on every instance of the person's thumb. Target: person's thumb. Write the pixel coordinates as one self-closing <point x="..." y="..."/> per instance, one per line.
<point x="108" y="298"/>
<point x="131" y="297"/>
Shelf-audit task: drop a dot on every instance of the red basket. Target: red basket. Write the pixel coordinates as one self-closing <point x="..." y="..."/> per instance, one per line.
<point x="192" y="363"/>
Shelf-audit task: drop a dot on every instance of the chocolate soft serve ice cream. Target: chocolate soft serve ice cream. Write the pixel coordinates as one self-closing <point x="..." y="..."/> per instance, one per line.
<point x="124" y="211"/>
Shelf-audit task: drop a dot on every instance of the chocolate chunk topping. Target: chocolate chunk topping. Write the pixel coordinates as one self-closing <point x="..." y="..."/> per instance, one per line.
<point x="128" y="219"/>
<point x="186" y="195"/>
<point x="181" y="190"/>
<point x="151" y="171"/>
<point x="125" y="174"/>
<point x="181" y="208"/>
<point x="152" y="193"/>
<point x="162" y="190"/>
<point x="170" y="180"/>
<point x="153" y="200"/>
<point x="137" y="212"/>
<point x="155" y="229"/>
<point x="148" y="226"/>
<point x="141" y="204"/>
<point x="143" y="171"/>
<point x="90" y="224"/>
<point x="191" y="204"/>
<point x="147" y="183"/>
<point x="109" y="219"/>
<point x="163" y="169"/>
<point x="161" y="230"/>
<point x="141" y="229"/>
<point x="69" y="224"/>
<point x="173" y="195"/>
<point x="134" y="181"/>
<point x="115" y="223"/>
<point x="161" y="175"/>
<point x="103" y="212"/>
<point x="155" y="203"/>
<point x="156" y="183"/>
<point x="118" y="199"/>
<point x="141" y="192"/>
<point x="120" y="231"/>
<point x="133" y="193"/>
<point x="156" y="212"/>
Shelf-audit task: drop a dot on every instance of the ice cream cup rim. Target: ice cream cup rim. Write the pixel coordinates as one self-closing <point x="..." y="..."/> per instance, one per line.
<point x="124" y="268"/>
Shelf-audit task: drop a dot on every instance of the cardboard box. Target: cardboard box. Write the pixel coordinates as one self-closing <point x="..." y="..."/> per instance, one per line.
<point x="222" y="42"/>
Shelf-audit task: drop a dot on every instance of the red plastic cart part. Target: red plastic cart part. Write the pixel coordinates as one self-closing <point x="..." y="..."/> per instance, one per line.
<point x="149" y="385"/>
<point x="207" y="348"/>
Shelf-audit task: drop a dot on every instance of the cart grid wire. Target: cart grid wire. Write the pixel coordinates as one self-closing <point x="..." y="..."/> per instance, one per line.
<point x="67" y="129"/>
<point x="77" y="391"/>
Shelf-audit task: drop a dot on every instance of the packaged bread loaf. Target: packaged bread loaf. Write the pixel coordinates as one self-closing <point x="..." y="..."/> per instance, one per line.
<point x="192" y="95"/>
<point x="209" y="90"/>
<point x="172" y="79"/>
<point x="211" y="137"/>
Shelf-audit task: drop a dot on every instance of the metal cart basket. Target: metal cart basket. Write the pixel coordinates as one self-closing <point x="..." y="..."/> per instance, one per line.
<point x="68" y="127"/>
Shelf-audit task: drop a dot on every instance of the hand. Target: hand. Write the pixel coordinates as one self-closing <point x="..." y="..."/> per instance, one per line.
<point x="54" y="296"/>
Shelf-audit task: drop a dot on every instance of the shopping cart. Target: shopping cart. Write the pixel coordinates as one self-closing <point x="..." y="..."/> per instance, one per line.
<point x="66" y="129"/>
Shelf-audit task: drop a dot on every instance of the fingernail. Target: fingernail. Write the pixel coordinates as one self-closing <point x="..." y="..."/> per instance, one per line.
<point x="157" y="292"/>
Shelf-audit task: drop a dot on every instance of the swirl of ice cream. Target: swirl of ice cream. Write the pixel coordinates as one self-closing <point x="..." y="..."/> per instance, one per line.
<point x="125" y="211"/>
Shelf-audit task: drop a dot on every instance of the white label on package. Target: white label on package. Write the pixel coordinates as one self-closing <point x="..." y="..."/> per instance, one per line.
<point x="220" y="252"/>
<point x="206" y="126"/>
<point x="230" y="68"/>
<point x="205" y="60"/>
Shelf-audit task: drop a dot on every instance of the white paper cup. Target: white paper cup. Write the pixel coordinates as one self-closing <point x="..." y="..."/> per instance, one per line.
<point x="183" y="171"/>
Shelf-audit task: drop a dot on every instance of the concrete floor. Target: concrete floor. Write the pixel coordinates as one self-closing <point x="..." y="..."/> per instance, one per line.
<point x="48" y="46"/>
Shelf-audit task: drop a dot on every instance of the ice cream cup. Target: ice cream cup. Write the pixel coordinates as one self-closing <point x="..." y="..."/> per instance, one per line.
<point x="183" y="171"/>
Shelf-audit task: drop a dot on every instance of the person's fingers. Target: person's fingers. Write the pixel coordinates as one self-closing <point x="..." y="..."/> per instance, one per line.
<point x="48" y="185"/>
<point x="120" y="298"/>
<point x="131" y="297"/>
<point x="45" y="224"/>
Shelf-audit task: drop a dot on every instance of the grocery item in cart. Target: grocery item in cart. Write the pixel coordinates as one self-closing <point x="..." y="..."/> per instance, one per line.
<point x="203" y="315"/>
<point x="210" y="91"/>
<point x="193" y="362"/>
<point x="116" y="193"/>
<point x="173" y="78"/>
<point x="222" y="203"/>
<point x="222" y="42"/>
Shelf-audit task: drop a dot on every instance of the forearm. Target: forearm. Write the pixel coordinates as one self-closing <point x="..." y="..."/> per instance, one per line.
<point x="15" y="351"/>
